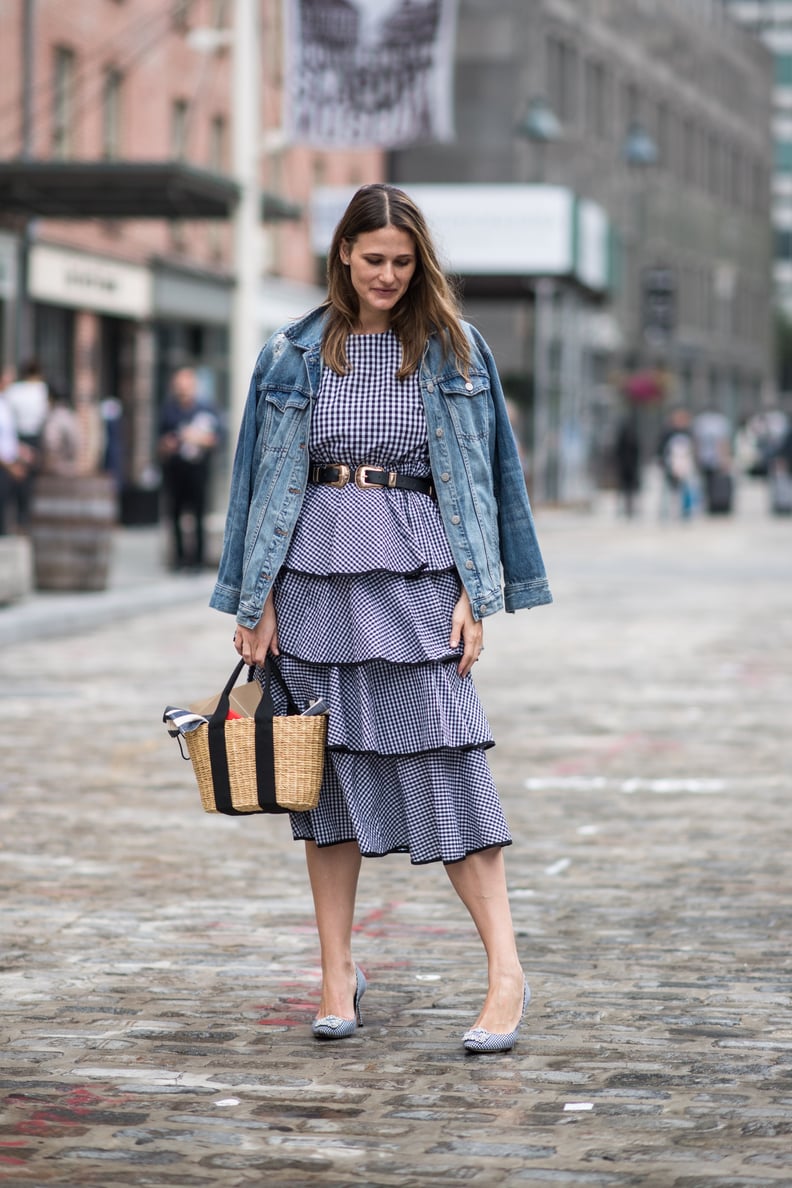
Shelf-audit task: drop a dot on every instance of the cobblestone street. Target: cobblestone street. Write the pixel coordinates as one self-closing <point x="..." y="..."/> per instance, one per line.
<point x="159" y="968"/>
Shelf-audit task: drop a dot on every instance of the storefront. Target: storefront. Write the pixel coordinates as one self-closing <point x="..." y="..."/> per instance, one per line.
<point x="88" y="312"/>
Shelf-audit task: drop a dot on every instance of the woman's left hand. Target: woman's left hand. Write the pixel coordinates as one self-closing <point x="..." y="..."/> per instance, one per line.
<point x="470" y="631"/>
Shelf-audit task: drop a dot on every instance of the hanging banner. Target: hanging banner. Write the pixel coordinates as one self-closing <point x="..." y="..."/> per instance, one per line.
<point x="369" y="73"/>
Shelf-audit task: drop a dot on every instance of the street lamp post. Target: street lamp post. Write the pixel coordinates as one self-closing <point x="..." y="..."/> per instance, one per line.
<point x="244" y="40"/>
<point x="639" y="152"/>
<point x="246" y="65"/>
<point x="541" y="126"/>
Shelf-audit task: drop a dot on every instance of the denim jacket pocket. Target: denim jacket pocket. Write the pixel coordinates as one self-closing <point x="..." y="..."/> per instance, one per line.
<point x="477" y="384"/>
<point x="282" y="398"/>
<point x="468" y="403"/>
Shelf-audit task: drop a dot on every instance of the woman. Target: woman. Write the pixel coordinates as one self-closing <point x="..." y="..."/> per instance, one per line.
<point x="376" y="492"/>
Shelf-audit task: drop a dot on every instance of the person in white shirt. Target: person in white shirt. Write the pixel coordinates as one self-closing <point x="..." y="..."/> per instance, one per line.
<point x="14" y="457"/>
<point x="28" y="399"/>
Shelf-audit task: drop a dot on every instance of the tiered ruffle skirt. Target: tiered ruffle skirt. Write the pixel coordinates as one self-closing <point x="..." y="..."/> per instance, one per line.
<point x="364" y="605"/>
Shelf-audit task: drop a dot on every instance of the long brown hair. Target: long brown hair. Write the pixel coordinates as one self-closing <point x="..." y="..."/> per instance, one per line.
<point x="429" y="303"/>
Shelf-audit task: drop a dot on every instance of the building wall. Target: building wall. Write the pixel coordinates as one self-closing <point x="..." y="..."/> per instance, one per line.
<point x="173" y="101"/>
<point x="772" y="22"/>
<point x="701" y="210"/>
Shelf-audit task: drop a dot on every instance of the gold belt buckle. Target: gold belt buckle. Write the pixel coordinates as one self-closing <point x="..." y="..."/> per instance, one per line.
<point x="344" y="475"/>
<point x="362" y="482"/>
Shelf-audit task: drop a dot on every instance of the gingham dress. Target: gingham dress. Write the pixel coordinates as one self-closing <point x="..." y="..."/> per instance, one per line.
<point x="364" y="604"/>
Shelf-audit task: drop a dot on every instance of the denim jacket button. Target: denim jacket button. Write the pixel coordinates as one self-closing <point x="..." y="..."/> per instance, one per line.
<point x="469" y="386"/>
<point x="482" y="607"/>
<point x="445" y="476"/>
<point x="438" y="432"/>
<point x="469" y="565"/>
<point x="430" y="387"/>
<point x="455" y="519"/>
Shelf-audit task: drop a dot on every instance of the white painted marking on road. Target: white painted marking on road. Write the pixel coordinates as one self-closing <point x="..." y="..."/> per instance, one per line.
<point x="578" y="1105"/>
<point x="665" y="786"/>
<point x="565" y="783"/>
<point x="662" y="786"/>
<point x="558" y="867"/>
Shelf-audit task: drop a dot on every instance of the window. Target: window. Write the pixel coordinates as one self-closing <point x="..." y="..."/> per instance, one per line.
<point x="562" y="79"/>
<point x="179" y="120"/>
<point x="595" y="103"/>
<point x="783" y="70"/>
<point x="689" y="152"/>
<point x="63" y="103"/>
<point x="714" y="166"/>
<point x="111" y="114"/>
<point x="631" y="111"/>
<point x="180" y="14"/>
<point x="663" y="135"/>
<point x="218" y="152"/>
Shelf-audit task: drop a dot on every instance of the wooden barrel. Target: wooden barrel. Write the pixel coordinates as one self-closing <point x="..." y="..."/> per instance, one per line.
<point x="71" y="528"/>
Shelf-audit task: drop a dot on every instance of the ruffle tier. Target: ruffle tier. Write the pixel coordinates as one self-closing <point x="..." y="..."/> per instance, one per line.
<point x="381" y="708"/>
<point x="346" y="530"/>
<point x="438" y="808"/>
<point x="354" y="618"/>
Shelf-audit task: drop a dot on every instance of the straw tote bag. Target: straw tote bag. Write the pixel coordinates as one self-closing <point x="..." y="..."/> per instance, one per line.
<point x="264" y="763"/>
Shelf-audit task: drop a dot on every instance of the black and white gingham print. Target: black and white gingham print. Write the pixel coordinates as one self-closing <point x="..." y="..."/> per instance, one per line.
<point x="391" y="709"/>
<point x="346" y="530"/>
<point x="351" y="618"/>
<point x="438" y="807"/>
<point x="364" y="607"/>
<point x="370" y="416"/>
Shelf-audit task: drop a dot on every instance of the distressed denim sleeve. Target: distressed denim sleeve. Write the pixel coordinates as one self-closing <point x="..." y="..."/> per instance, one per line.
<point x="228" y="588"/>
<point x="524" y="579"/>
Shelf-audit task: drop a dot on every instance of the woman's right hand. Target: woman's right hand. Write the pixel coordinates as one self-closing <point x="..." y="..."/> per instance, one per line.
<point x="254" y="644"/>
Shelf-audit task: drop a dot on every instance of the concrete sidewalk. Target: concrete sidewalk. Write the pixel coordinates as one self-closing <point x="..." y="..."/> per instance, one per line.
<point x="139" y="581"/>
<point x="159" y="966"/>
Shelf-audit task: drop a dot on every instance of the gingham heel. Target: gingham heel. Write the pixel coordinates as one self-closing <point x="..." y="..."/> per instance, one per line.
<point x="331" y="1027"/>
<point x="478" y="1039"/>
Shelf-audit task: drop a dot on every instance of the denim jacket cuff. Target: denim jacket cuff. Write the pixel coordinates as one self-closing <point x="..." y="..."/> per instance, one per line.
<point x="524" y="595"/>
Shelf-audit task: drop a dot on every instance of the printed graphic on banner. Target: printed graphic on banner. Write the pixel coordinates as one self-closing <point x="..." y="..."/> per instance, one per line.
<point x="367" y="73"/>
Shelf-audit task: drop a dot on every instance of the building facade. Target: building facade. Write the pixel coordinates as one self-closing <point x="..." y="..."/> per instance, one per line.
<point x="631" y="105"/>
<point x="111" y="306"/>
<point x="771" y="20"/>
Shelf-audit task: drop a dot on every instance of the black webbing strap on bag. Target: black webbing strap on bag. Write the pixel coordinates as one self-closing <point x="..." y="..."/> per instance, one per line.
<point x="264" y="744"/>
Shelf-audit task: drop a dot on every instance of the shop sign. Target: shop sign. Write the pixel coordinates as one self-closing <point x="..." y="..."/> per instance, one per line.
<point x="62" y="276"/>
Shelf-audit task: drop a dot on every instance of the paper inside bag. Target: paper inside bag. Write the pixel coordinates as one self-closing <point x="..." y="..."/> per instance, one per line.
<point x="243" y="701"/>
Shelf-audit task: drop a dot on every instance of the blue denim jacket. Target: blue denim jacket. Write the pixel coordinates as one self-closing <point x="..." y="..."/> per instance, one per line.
<point x="477" y="473"/>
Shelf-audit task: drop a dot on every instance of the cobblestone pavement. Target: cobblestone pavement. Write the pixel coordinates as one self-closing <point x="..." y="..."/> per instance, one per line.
<point x="159" y="967"/>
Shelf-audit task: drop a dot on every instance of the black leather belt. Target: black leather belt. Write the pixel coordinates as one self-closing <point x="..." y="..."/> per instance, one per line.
<point x="338" y="474"/>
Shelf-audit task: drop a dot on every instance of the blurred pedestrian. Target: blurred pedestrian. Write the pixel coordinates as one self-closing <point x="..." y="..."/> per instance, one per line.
<point x="28" y="399"/>
<point x="677" y="455"/>
<point x="60" y="437"/>
<point x="627" y="463"/>
<point x="189" y="434"/>
<point x="712" y="441"/>
<point x="780" y="476"/>
<point x="13" y="467"/>
<point x="377" y="492"/>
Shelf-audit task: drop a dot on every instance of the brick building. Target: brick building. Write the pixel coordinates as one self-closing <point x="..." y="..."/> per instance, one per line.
<point x="115" y="303"/>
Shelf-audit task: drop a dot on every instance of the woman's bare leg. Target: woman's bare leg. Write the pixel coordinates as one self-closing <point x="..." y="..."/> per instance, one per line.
<point x="480" y="882"/>
<point x="333" y="873"/>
